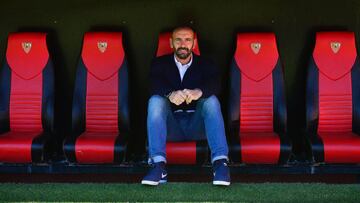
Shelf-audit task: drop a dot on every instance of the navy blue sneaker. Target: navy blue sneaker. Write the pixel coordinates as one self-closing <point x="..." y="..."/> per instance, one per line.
<point x="221" y="173"/>
<point x="156" y="175"/>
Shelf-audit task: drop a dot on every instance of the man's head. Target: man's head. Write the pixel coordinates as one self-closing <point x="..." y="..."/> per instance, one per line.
<point x="183" y="42"/>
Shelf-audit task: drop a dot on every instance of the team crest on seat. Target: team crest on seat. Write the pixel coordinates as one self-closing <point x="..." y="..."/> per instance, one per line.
<point x="26" y="46"/>
<point x="256" y="46"/>
<point x="335" y="53"/>
<point x="102" y="46"/>
<point x="256" y="54"/>
<point x="102" y="53"/>
<point x="335" y="46"/>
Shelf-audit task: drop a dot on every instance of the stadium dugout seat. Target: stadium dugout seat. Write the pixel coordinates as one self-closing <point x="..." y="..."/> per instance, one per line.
<point x="333" y="99"/>
<point x="184" y="153"/>
<point x="26" y="99"/>
<point x="100" y="112"/>
<point x="257" y="109"/>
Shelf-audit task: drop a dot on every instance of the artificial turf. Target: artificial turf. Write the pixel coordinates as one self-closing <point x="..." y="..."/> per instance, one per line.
<point x="265" y="192"/>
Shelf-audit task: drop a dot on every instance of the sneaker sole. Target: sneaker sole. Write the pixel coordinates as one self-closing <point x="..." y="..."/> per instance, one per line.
<point x="154" y="183"/>
<point x="221" y="183"/>
<point x="149" y="182"/>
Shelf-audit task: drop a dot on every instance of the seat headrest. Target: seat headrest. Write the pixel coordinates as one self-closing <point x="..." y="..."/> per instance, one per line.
<point x="256" y="54"/>
<point x="27" y="54"/>
<point x="164" y="45"/>
<point x="335" y="53"/>
<point x="103" y="53"/>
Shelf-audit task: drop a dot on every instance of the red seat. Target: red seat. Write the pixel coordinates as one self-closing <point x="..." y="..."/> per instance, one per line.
<point x="26" y="99"/>
<point x="100" y="105"/>
<point x="333" y="99"/>
<point x="257" y="111"/>
<point x="194" y="152"/>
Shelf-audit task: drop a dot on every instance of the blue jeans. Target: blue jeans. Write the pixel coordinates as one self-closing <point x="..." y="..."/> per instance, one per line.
<point x="205" y="122"/>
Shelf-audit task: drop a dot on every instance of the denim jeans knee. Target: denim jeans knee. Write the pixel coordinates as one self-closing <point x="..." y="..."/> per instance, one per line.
<point x="157" y="106"/>
<point x="211" y="105"/>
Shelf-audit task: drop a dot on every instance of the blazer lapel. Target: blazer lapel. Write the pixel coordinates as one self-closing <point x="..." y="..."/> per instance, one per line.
<point x="173" y="73"/>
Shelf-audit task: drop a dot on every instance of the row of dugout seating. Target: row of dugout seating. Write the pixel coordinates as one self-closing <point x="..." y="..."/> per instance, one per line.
<point x="257" y="108"/>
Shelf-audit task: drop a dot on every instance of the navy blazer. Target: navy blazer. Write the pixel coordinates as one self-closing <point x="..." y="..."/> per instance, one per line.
<point x="165" y="78"/>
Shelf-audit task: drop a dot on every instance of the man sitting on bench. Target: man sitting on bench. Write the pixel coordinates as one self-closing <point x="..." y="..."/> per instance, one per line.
<point x="183" y="107"/>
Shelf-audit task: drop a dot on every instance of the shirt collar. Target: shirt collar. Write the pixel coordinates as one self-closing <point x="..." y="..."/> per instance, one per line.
<point x="178" y="64"/>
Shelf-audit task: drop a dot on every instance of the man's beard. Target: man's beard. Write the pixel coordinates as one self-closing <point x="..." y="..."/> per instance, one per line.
<point x="182" y="55"/>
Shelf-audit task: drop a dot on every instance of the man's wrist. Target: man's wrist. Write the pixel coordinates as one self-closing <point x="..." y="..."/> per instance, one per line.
<point x="168" y="95"/>
<point x="200" y="91"/>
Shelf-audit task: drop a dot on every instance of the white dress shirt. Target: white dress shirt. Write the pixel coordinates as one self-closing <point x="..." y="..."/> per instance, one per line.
<point x="182" y="68"/>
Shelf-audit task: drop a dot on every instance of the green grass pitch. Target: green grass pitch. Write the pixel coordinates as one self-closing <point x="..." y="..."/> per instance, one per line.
<point x="265" y="192"/>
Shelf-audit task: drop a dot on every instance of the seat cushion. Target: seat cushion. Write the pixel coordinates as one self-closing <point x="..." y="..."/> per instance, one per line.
<point x="15" y="147"/>
<point x="192" y="152"/>
<point x="260" y="147"/>
<point x="95" y="147"/>
<point x="341" y="147"/>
